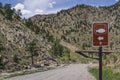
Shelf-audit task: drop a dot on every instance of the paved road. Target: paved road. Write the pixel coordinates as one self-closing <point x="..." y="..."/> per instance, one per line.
<point x="70" y="72"/>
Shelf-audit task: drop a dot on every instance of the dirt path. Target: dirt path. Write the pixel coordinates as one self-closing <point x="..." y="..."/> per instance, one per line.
<point x="70" y="72"/>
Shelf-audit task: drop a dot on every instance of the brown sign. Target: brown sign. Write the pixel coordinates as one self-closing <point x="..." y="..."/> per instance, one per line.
<point x="100" y="34"/>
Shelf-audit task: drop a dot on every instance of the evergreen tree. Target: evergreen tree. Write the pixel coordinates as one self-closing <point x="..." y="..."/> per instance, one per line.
<point x="67" y="52"/>
<point x="7" y="7"/>
<point x="32" y="26"/>
<point x="1" y="56"/>
<point x="15" y="58"/>
<point x="57" y="49"/>
<point x="33" y="49"/>
<point x="9" y="12"/>
<point x="1" y="5"/>
<point x="18" y="13"/>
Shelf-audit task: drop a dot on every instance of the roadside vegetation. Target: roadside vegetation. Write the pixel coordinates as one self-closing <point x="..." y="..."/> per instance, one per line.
<point x="64" y="55"/>
<point x="108" y="74"/>
<point x="111" y="67"/>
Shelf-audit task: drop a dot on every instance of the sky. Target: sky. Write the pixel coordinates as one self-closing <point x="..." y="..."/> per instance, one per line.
<point x="32" y="7"/>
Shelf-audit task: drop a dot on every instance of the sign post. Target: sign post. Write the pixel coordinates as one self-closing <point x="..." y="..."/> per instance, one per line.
<point x="100" y="63"/>
<point x="100" y="38"/>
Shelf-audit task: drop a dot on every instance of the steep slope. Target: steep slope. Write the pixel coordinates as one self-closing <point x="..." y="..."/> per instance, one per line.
<point x="15" y="38"/>
<point x="75" y="25"/>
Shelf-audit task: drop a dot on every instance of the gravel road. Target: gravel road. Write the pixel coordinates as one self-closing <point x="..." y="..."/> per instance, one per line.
<point x="70" y="72"/>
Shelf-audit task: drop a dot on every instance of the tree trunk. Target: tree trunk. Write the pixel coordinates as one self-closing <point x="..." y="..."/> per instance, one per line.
<point x="32" y="59"/>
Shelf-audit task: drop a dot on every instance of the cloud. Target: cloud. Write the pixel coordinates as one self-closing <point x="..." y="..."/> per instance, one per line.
<point x="32" y="7"/>
<point x="35" y="4"/>
<point x="52" y="4"/>
<point x="25" y="12"/>
<point x="38" y="11"/>
<point x="19" y="6"/>
<point x="56" y="10"/>
<point x="22" y="8"/>
<point x="116" y="0"/>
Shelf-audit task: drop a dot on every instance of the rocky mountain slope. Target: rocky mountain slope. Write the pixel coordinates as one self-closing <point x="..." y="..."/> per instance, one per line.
<point x="74" y="25"/>
<point x="15" y="38"/>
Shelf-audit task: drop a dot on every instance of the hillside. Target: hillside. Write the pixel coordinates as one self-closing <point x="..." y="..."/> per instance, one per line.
<point x="16" y="41"/>
<point x="74" y="25"/>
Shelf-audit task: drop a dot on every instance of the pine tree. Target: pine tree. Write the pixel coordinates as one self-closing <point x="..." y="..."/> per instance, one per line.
<point x="1" y="5"/>
<point x="15" y="58"/>
<point x="9" y="12"/>
<point x="57" y="49"/>
<point x="2" y="48"/>
<point x="33" y="50"/>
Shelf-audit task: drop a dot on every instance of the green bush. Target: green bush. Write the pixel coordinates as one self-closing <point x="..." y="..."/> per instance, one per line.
<point x="108" y="74"/>
<point x="15" y="58"/>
